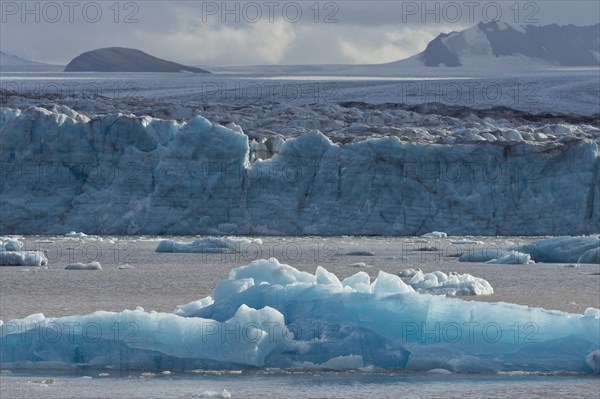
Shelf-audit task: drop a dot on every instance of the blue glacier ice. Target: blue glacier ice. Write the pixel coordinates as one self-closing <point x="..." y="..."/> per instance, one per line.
<point x="564" y="249"/>
<point x="122" y="174"/>
<point x="268" y="314"/>
<point x="583" y="249"/>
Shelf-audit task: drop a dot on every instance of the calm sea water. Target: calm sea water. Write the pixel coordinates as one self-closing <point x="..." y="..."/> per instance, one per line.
<point x="162" y="281"/>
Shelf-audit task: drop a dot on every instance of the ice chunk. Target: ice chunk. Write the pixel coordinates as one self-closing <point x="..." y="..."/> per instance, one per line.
<point x="512" y="258"/>
<point x="360" y="282"/>
<point x="207" y="245"/>
<point x="483" y="255"/>
<point x="467" y="242"/>
<point x="272" y="272"/>
<point x="560" y="249"/>
<point x="591" y="256"/>
<point x="193" y="307"/>
<point x="388" y="284"/>
<point x="435" y="234"/>
<point x="226" y="288"/>
<point x="84" y="266"/>
<point x="23" y="258"/>
<point x="11" y="245"/>
<point x="359" y="264"/>
<point x="453" y="284"/>
<point x="322" y="276"/>
<point x="408" y="272"/>
<point x="213" y="394"/>
<point x="76" y="234"/>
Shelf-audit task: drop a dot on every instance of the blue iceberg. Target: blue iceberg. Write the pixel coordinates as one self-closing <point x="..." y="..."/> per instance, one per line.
<point x="582" y="249"/>
<point x="268" y="314"/>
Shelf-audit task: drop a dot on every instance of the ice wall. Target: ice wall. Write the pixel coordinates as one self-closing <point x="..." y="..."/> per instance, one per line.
<point x="120" y="174"/>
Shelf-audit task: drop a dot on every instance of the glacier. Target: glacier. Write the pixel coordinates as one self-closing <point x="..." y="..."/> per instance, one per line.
<point x="271" y="315"/>
<point x="127" y="174"/>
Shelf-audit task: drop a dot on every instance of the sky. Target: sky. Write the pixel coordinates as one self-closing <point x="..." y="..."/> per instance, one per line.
<point x="263" y="31"/>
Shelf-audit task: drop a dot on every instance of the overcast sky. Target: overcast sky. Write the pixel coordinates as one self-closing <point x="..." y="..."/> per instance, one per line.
<point x="263" y="31"/>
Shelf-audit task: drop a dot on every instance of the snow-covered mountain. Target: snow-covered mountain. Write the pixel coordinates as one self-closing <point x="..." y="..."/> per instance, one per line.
<point x="12" y="61"/>
<point x="498" y="43"/>
<point x="119" y="59"/>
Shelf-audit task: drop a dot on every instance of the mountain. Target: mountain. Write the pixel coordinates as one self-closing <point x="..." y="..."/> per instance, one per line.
<point x="119" y="59"/>
<point x="12" y="62"/>
<point x="497" y="43"/>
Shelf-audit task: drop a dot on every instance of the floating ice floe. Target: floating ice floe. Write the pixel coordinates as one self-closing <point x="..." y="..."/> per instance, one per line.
<point x="207" y="245"/>
<point x="268" y="314"/>
<point x="76" y="234"/>
<point x="496" y="256"/>
<point x="564" y="249"/>
<point x="359" y="264"/>
<point x="23" y="258"/>
<point x="10" y="244"/>
<point x="512" y="258"/>
<point x="410" y="272"/>
<point x="13" y="254"/>
<point x="84" y="266"/>
<point x="435" y="234"/>
<point x="467" y="242"/>
<point x="454" y="284"/>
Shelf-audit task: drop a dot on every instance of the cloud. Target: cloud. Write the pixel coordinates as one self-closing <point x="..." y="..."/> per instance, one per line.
<point x="262" y="42"/>
<point x="367" y="32"/>
<point x="387" y="45"/>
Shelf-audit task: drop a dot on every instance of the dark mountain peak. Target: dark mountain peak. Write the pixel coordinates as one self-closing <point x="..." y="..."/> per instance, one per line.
<point x="121" y="59"/>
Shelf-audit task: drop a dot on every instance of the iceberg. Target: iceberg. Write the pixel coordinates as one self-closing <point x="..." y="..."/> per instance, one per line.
<point x="454" y="284"/>
<point x="207" y="245"/>
<point x="410" y="272"/>
<point x="564" y="249"/>
<point x="125" y="174"/>
<point x="435" y="234"/>
<point x="268" y="314"/>
<point x="12" y="253"/>
<point x="10" y="244"/>
<point x="23" y="258"/>
<point x="512" y="258"/>
<point x="84" y="266"/>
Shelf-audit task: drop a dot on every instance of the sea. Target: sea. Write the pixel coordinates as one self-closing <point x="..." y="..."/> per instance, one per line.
<point x="133" y="274"/>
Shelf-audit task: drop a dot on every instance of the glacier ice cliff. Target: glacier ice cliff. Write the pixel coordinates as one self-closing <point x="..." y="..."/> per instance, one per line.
<point x="122" y="174"/>
<point x="268" y="314"/>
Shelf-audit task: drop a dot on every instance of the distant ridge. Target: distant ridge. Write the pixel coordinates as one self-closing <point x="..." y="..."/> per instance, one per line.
<point x="120" y="59"/>
<point x="12" y="62"/>
<point x="497" y="43"/>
